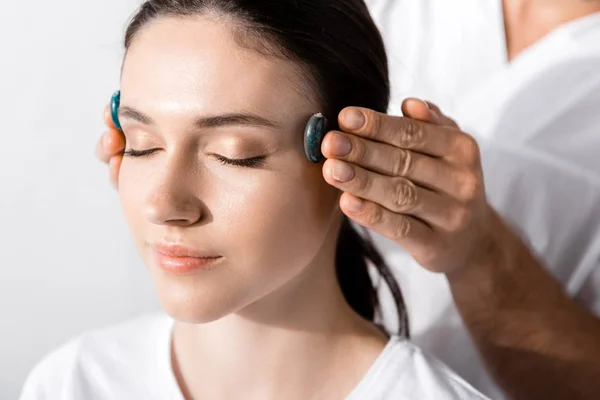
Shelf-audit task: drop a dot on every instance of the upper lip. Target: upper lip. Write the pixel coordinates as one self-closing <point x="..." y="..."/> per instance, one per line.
<point x="178" y="250"/>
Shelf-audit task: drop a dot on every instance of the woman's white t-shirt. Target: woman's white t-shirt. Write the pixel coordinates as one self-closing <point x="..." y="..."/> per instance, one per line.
<point x="132" y="361"/>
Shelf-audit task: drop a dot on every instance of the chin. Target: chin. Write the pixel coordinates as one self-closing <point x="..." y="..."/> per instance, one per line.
<point x="194" y="304"/>
<point x="191" y="315"/>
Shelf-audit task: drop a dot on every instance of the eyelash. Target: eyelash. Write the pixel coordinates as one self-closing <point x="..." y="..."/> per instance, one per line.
<point x="253" y="162"/>
<point x="136" y="153"/>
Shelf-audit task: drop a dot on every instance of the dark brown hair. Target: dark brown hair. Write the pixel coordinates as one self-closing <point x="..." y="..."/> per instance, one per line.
<point x="339" y="46"/>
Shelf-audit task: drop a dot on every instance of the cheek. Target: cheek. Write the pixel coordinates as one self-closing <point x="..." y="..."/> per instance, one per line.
<point x="277" y="217"/>
<point x="133" y="186"/>
<point x="268" y="223"/>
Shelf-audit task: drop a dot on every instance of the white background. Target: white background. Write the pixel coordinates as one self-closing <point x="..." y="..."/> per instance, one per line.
<point x="67" y="262"/>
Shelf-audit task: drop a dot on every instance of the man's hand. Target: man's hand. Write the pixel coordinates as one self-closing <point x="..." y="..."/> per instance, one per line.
<point x="422" y="186"/>
<point x="417" y="181"/>
<point x="110" y="147"/>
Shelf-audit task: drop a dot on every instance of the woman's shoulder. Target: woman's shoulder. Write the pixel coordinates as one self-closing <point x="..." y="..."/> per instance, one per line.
<point x="98" y="355"/>
<point x="405" y="371"/>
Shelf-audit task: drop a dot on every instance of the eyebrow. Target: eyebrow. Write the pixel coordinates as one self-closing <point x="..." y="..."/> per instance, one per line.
<point x="216" y="121"/>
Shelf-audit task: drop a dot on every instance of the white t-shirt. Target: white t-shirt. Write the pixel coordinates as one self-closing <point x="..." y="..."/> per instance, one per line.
<point x="537" y="120"/>
<point x="132" y="361"/>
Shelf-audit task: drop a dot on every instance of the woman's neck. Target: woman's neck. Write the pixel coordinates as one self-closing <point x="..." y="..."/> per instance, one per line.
<point x="528" y="21"/>
<point x="293" y="343"/>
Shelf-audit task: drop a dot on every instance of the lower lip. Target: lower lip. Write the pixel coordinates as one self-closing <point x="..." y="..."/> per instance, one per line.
<point x="184" y="265"/>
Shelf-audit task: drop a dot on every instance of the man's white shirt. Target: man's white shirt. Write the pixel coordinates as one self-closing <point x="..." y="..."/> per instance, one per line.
<point x="537" y="120"/>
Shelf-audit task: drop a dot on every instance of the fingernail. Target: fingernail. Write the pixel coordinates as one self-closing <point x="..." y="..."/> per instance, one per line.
<point x="340" y="145"/>
<point x="354" y="205"/>
<point x="342" y="172"/>
<point x="353" y="119"/>
<point x="426" y="104"/>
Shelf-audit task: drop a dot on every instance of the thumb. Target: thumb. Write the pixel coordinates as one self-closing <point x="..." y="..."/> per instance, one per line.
<point x="427" y="112"/>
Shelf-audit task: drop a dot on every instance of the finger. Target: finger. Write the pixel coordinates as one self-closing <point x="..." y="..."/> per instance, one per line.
<point x="402" y="132"/>
<point x="427" y="112"/>
<point x="108" y="121"/>
<point x="114" y="143"/>
<point x="418" y="109"/>
<point x="442" y="118"/>
<point x="405" y="230"/>
<point x="114" y="167"/>
<point x="437" y="111"/>
<point x="110" y="144"/>
<point x="433" y="173"/>
<point x="101" y="153"/>
<point x="398" y="195"/>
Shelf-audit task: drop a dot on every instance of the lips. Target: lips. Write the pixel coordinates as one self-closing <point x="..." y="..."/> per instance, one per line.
<point x="177" y="250"/>
<point x="181" y="260"/>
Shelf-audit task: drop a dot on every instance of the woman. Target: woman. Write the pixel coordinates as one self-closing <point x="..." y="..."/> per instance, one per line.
<point x="265" y="283"/>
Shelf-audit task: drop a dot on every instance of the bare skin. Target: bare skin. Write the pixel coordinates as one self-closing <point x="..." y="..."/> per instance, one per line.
<point x="269" y="320"/>
<point x="430" y="199"/>
<point x="527" y="21"/>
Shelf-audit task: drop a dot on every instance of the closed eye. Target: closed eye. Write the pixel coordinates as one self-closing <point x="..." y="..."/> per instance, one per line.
<point x="253" y="162"/>
<point x="140" y="153"/>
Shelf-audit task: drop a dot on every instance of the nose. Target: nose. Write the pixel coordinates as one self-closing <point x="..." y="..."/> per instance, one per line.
<point x="172" y="200"/>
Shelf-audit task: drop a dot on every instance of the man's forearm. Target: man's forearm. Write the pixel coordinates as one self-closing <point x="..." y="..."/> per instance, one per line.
<point x="535" y="340"/>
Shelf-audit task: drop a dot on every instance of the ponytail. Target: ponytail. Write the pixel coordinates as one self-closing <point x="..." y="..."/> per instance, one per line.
<point x="351" y="263"/>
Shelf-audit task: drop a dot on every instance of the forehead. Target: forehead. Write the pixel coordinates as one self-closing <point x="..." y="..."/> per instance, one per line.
<point x="197" y="61"/>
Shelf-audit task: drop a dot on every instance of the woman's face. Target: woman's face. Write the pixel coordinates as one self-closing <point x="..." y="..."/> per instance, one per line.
<point x="197" y="99"/>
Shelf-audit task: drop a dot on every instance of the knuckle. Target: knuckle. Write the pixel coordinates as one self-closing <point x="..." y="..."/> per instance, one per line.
<point x="405" y="197"/>
<point x="401" y="229"/>
<point x="429" y="255"/>
<point x="361" y="183"/>
<point x="460" y="219"/>
<point x="401" y="162"/>
<point x="452" y="122"/>
<point x="375" y="216"/>
<point x="359" y="150"/>
<point x="470" y="186"/>
<point x="373" y="123"/>
<point x="411" y="133"/>
<point x="470" y="150"/>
